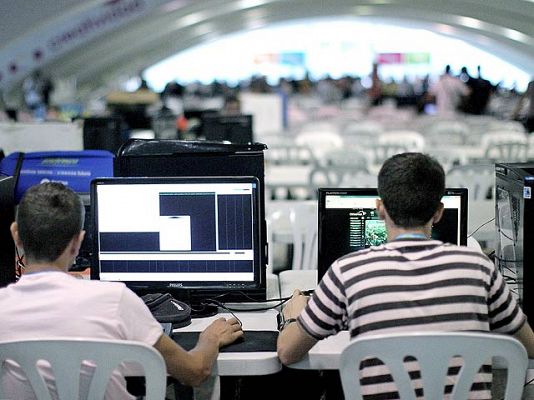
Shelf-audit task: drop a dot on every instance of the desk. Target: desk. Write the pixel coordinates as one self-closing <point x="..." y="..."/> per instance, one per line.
<point x="325" y="355"/>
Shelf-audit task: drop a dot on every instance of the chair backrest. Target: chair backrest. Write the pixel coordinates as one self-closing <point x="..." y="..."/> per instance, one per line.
<point x="507" y="152"/>
<point x="65" y="356"/>
<point x="339" y="176"/>
<point x="382" y="151"/>
<point x="414" y="141"/>
<point x="319" y="141"/>
<point x="434" y="351"/>
<point x="453" y="132"/>
<point x="349" y="157"/>
<point x="293" y="222"/>
<point x="289" y="153"/>
<point x="494" y="137"/>
<point x="479" y="179"/>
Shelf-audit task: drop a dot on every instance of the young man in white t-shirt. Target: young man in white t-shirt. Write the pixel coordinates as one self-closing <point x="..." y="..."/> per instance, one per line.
<point x="47" y="302"/>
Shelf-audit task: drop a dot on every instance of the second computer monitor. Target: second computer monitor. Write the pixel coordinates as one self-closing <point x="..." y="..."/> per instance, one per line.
<point x="348" y="222"/>
<point x="231" y="128"/>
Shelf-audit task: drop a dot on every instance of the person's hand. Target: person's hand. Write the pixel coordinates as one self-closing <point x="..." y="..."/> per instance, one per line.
<point x="223" y="331"/>
<point x="295" y="305"/>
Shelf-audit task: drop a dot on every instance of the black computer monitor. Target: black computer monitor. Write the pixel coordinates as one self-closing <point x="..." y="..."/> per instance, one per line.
<point x="231" y="128"/>
<point x="348" y="221"/>
<point x="193" y="237"/>
<point x="103" y="133"/>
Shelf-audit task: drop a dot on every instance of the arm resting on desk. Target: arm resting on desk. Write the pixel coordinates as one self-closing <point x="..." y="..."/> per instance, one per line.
<point x="526" y="337"/>
<point x="192" y="367"/>
<point x="293" y="344"/>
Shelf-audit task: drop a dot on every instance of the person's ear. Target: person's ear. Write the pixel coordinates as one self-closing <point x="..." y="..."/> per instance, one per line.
<point x="76" y="242"/>
<point x="438" y="214"/>
<point x="380" y="209"/>
<point x="14" y="228"/>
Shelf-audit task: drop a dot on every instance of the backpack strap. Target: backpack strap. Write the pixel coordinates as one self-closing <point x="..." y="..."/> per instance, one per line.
<point x="16" y="172"/>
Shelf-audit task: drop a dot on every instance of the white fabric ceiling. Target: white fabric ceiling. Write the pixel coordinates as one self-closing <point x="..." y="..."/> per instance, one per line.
<point x="95" y="41"/>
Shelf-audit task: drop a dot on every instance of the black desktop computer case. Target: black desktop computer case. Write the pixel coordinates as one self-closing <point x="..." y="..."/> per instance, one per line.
<point x="514" y="216"/>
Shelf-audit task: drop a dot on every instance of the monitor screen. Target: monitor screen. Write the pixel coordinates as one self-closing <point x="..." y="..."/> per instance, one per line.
<point x="348" y="221"/>
<point x="172" y="234"/>
<point x="232" y="128"/>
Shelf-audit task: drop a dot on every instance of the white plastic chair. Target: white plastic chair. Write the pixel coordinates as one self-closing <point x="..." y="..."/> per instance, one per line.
<point x="340" y="176"/>
<point x="66" y="355"/>
<point x="412" y="140"/>
<point x="320" y="141"/>
<point x="530" y="154"/>
<point x="509" y="146"/>
<point x="294" y="223"/>
<point x="479" y="179"/>
<point x="433" y="351"/>
<point x="303" y="217"/>
<point x="499" y="125"/>
<point x="450" y="132"/>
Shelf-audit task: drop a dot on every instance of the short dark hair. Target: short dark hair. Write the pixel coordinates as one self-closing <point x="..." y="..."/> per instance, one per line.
<point x="411" y="186"/>
<point x="48" y="217"/>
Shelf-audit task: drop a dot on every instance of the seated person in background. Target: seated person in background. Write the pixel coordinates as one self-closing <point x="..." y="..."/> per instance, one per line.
<point x="411" y="283"/>
<point x="232" y="106"/>
<point x="47" y="302"/>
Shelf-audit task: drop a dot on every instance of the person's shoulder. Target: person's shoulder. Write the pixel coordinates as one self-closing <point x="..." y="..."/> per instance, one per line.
<point x="363" y="256"/>
<point x="103" y="287"/>
<point x="473" y="254"/>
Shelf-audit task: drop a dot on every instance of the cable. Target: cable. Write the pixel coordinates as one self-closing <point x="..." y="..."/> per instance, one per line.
<point x="476" y="230"/>
<point x="280" y="301"/>
<point x="506" y="236"/>
<point x="219" y="304"/>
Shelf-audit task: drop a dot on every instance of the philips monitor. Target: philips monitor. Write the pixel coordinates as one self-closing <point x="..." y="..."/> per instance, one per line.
<point x="230" y="128"/>
<point x="348" y="222"/>
<point x="193" y="237"/>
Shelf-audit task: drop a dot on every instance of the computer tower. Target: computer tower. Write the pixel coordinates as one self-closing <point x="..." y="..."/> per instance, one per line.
<point x="7" y="216"/>
<point x="514" y="216"/>
<point x="140" y="157"/>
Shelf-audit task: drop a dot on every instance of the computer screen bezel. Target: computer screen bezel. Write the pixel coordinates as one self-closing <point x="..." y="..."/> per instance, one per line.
<point x="373" y="192"/>
<point x="186" y="290"/>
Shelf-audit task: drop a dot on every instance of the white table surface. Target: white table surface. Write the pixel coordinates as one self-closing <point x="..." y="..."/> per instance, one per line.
<point x="243" y="363"/>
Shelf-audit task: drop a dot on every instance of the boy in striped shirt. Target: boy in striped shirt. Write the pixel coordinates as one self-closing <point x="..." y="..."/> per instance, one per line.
<point x="411" y="283"/>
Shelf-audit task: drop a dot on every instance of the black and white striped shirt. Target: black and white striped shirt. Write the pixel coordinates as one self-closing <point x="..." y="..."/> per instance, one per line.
<point x="411" y="285"/>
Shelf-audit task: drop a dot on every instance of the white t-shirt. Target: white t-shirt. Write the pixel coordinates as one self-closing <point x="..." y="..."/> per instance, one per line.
<point x="54" y="304"/>
<point x="448" y="91"/>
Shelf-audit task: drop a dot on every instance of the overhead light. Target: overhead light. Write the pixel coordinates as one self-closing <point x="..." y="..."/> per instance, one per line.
<point x="190" y="19"/>
<point x="469" y="22"/>
<point x="516" y="35"/>
<point x="244" y="4"/>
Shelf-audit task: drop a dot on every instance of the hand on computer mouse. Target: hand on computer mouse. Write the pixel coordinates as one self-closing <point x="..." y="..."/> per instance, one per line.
<point x="224" y="331"/>
<point x="295" y="305"/>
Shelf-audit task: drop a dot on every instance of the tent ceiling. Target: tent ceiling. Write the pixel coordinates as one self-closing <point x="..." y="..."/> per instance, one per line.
<point x="504" y="28"/>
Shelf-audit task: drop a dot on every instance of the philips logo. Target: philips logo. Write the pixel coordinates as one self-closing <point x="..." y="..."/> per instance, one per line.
<point x="176" y="284"/>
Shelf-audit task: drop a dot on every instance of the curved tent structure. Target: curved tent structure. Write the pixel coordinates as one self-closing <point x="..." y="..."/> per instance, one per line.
<point x="95" y="41"/>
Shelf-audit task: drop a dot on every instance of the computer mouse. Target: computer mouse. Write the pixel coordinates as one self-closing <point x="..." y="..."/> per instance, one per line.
<point x="240" y="339"/>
